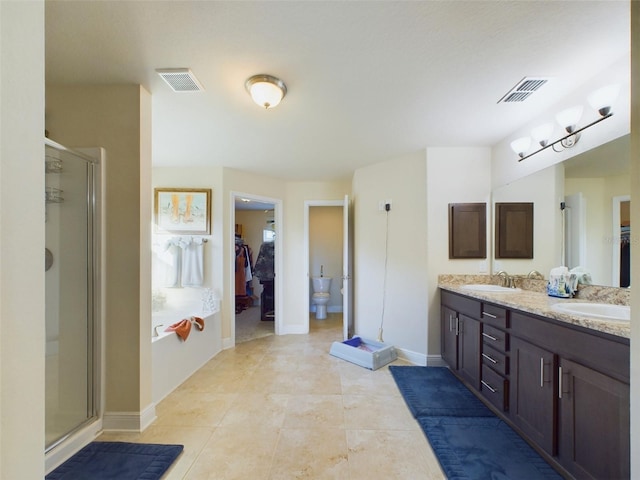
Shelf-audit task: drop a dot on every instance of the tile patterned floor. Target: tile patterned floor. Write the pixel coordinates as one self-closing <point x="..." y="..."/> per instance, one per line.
<point x="281" y="407"/>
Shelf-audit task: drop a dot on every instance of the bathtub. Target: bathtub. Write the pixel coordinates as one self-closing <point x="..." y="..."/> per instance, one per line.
<point x="174" y="360"/>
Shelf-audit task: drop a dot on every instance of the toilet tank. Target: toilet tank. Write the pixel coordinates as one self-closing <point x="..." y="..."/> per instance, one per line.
<point x="321" y="284"/>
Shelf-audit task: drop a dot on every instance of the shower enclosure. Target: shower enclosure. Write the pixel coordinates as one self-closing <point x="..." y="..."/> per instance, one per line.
<point x="72" y="292"/>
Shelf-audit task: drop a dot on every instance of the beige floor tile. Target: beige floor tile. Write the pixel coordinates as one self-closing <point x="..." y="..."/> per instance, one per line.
<point x="311" y="453"/>
<point x="217" y="380"/>
<point x="194" y="409"/>
<point x="283" y="408"/>
<point x="236" y="453"/>
<point x="377" y="413"/>
<point x="263" y="409"/>
<point x="357" y="380"/>
<point x="311" y="411"/>
<point x="391" y="454"/>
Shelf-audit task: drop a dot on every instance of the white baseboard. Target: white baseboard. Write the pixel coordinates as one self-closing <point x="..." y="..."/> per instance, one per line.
<point x="129" y="421"/>
<point x="227" y="343"/>
<point x="294" y="330"/>
<point x="412" y="357"/>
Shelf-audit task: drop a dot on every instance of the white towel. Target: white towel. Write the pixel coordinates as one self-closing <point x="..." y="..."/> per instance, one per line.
<point x="166" y="264"/>
<point x="193" y="263"/>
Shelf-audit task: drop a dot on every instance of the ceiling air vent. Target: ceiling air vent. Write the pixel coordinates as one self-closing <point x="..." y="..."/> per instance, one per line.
<point x="523" y="89"/>
<point x="180" y="79"/>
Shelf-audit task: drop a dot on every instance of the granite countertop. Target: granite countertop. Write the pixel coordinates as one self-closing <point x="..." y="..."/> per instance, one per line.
<point x="532" y="298"/>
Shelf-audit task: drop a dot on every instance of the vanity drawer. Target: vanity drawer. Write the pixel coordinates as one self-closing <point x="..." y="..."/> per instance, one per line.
<point x="495" y="388"/>
<point x="495" y="360"/>
<point x="493" y="315"/>
<point x="495" y="338"/>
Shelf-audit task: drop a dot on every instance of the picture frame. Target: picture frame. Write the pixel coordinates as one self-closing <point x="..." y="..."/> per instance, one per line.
<point x="182" y="211"/>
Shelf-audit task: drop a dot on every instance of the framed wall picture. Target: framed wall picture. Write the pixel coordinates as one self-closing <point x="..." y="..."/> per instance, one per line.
<point x="182" y="211"/>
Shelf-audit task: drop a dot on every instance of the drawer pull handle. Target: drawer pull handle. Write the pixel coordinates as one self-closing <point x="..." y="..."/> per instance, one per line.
<point x="489" y="358"/>
<point x="493" y="390"/>
<point x="490" y="337"/>
<point x="489" y="315"/>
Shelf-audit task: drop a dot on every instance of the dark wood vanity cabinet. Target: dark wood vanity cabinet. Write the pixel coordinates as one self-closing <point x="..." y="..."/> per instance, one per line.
<point x="494" y="382"/>
<point x="532" y="393"/>
<point x="593" y="429"/>
<point x="564" y="388"/>
<point x="460" y="341"/>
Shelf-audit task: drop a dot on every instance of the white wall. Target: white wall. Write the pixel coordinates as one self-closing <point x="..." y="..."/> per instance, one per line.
<point x="403" y="181"/>
<point x="453" y="175"/>
<point x="22" y="327"/>
<point x="296" y="266"/>
<point x="200" y="177"/>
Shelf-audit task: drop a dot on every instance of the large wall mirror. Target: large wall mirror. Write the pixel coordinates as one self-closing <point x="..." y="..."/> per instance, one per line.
<point x="593" y="229"/>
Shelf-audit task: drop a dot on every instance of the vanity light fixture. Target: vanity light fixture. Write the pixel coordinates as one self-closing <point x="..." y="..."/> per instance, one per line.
<point x="266" y="90"/>
<point x="521" y="145"/>
<point x="600" y="100"/>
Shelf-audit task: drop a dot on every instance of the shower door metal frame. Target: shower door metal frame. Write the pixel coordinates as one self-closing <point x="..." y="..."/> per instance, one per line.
<point x="94" y="332"/>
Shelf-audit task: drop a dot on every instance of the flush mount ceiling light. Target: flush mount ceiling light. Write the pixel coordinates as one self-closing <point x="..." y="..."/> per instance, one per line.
<point x="600" y="100"/>
<point x="266" y="90"/>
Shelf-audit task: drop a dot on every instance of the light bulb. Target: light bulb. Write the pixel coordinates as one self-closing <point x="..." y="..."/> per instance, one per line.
<point x="521" y="145"/>
<point x="569" y="118"/>
<point x="266" y="94"/>
<point x="542" y="134"/>
<point x="602" y="99"/>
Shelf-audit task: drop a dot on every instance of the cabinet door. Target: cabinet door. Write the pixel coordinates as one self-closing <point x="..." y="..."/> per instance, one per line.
<point x="469" y="349"/>
<point x="532" y="393"/>
<point x="594" y="423"/>
<point x="449" y="337"/>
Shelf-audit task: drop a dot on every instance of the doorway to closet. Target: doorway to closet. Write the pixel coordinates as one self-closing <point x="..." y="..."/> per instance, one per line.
<point x="254" y="244"/>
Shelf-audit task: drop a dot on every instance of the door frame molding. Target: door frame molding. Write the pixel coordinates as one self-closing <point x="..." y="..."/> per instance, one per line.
<point x="278" y="264"/>
<point x="307" y="205"/>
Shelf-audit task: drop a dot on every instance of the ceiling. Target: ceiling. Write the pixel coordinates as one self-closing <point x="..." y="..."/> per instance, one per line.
<point x="367" y="81"/>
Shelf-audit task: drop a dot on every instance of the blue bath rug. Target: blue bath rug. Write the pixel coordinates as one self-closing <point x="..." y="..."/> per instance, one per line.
<point x="435" y="391"/>
<point x="118" y="461"/>
<point x="482" y="448"/>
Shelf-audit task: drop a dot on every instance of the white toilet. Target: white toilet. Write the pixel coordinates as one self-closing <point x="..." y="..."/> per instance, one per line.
<point x="321" y="295"/>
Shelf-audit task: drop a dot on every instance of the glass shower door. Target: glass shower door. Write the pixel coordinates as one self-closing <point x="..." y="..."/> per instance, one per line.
<point x="69" y="288"/>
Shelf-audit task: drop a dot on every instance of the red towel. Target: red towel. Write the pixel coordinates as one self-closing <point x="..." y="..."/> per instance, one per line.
<point x="199" y="322"/>
<point x="182" y="328"/>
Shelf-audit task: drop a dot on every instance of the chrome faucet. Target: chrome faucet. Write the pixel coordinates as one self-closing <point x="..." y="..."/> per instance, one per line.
<point x="535" y="274"/>
<point x="155" y="330"/>
<point x="505" y="277"/>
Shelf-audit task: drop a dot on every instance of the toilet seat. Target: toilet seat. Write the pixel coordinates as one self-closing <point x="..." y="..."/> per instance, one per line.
<point x="321" y="295"/>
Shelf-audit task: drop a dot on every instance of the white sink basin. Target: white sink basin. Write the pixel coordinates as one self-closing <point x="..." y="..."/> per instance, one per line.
<point x="485" y="287"/>
<point x="605" y="311"/>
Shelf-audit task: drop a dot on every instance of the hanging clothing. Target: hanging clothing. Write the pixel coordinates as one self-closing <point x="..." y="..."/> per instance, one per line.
<point x="265" y="265"/>
<point x="241" y="282"/>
